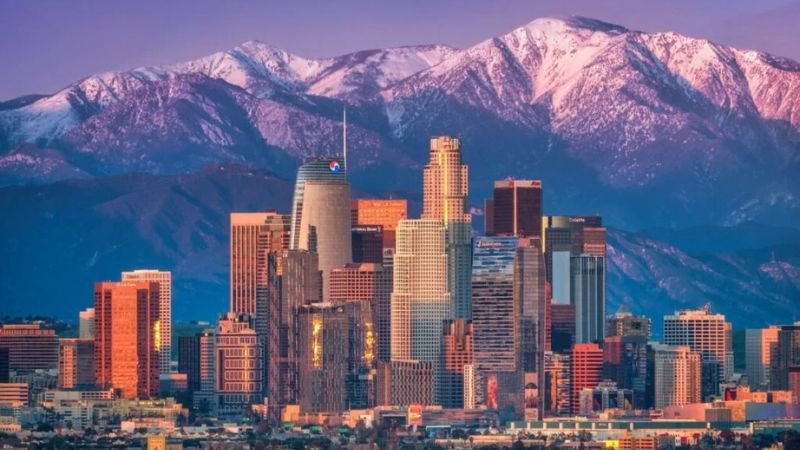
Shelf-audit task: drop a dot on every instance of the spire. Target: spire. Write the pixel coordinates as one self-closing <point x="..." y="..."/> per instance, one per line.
<point x="344" y="138"/>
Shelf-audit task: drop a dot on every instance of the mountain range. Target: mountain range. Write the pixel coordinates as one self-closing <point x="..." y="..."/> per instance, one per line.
<point x="655" y="131"/>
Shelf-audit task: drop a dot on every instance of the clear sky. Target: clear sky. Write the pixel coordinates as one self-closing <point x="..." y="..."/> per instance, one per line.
<point x="45" y="45"/>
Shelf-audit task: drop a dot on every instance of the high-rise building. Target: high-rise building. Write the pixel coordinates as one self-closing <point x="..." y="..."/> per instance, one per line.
<point x="383" y="309"/>
<point x="562" y="327"/>
<point x="323" y="357"/>
<point x="457" y="351"/>
<point x="367" y="243"/>
<point x="403" y="383"/>
<point x="253" y="235"/>
<point x="75" y="363"/>
<point x="707" y="334"/>
<point x="86" y="324"/>
<point x="529" y="287"/>
<point x="623" y="323"/>
<point x="126" y="337"/>
<point x="496" y="311"/>
<point x="5" y="374"/>
<point x="785" y="371"/>
<point x="469" y="386"/>
<point x="164" y="325"/>
<point x="321" y="218"/>
<point x="420" y="299"/>
<point x="189" y="360"/>
<point x="587" y="370"/>
<point x="204" y="400"/>
<point x="301" y="284"/>
<point x="515" y="209"/>
<point x="677" y="376"/>
<point x="386" y="213"/>
<point x="320" y="168"/>
<point x="445" y="189"/>
<point x="238" y="365"/>
<point x="625" y="363"/>
<point x="760" y="346"/>
<point x="557" y="400"/>
<point x="30" y="347"/>
<point x="565" y="236"/>
<point x="588" y="295"/>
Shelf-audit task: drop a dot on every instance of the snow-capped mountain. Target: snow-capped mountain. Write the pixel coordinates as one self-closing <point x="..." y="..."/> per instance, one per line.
<point x="607" y="117"/>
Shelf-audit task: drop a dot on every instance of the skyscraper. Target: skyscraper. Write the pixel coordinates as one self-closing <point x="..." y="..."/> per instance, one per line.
<point x="588" y="295"/>
<point x="445" y="189"/>
<point x="558" y="400"/>
<point x="529" y="287"/>
<point x="496" y="311"/>
<point x="4" y="370"/>
<point x="86" y="324"/>
<point x="75" y="363"/>
<point x="623" y="323"/>
<point x="403" y="383"/>
<point x="301" y="284"/>
<point x="189" y="360"/>
<point x="562" y="327"/>
<point x="515" y="209"/>
<point x="252" y="237"/>
<point x="386" y="213"/>
<point x="420" y="299"/>
<point x="238" y="365"/>
<point x="710" y="336"/>
<point x="30" y="347"/>
<point x="323" y="357"/>
<point x="587" y="370"/>
<point x="677" y="375"/>
<point x="760" y="346"/>
<point x="126" y="337"/>
<point x="164" y="325"/>
<point x="320" y="168"/>
<point x="457" y="351"/>
<point x="785" y="371"/>
<point x="625" y="362"/>
<point x="367" y="243"/>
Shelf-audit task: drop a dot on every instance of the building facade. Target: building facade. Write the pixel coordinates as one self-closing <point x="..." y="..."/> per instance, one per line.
<point x="386" y="213"/>
<point x="75" y="363"/>
<point x="164" y="325"/>
<point x="126" y="337"/>
<point x="588" y="295"/>
<point x="30" y="347"/>
<point x="587" y="370"/>
<point x="86" y="324"/>
<point x="760" y="346"/>
<point x="323" y="358"/>
<point x="445" y="190"/>
<point x="515" y="209"/>
<point x="677" y="376"/>
<point x="238" y="365"/>
<point x="457" y="352"/>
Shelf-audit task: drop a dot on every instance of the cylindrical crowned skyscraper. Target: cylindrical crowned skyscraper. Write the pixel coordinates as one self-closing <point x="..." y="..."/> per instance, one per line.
<point x="445" y="189"/>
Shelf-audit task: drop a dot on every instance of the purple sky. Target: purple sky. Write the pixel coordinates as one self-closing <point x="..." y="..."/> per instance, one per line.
<point x="45" y="45"/>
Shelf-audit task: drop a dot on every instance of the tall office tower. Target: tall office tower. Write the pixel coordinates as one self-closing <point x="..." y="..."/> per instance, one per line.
<point x="321" y="217"/>
<point x="445" y="188"/>
<point x="386" y="213"/>
<point x="321" y="169"/>
<point x="301" y="284"/>
<point x="496" y="311"/>
<point x="623" y="323"/>
<point x="557" y="391"/>
<point x="707" y="334"/>
<point x="164" y="325"/>
<point x="125" y="343"/>
<point x="564" y="236"/>
<point x="86" y="324"/>
<point x="238" y="365"/>
<point x="4" y="370"/>
<point x="75" y="363"/>
<point x="204" y="399"/>
<point x="403" y="383"/>
<point x="786" y="362"/>
<point x="760" y="345"/>
<point x="529" y="287"/>
<point x="469" y="386"/>
<point x="457" y="345"/>
<point x="323" y="358"/>
<point x="625" y="362"/>
<point x="515" y="209"/>
<point x="420" y="299"/>
<point x="677" y="374"/>
<point x="189" y="360"/>
<point x="252" y="236"/>
<point x="588" y="295"/>
<point x="360" y="288"/>
<point x="594" y="241"/>
<point x="383" y="309"/>
<point x="367" y="243"/>
<point x="562" y="327"/>
<point x="30" y="347"/>
<point x="587" y="370"/>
